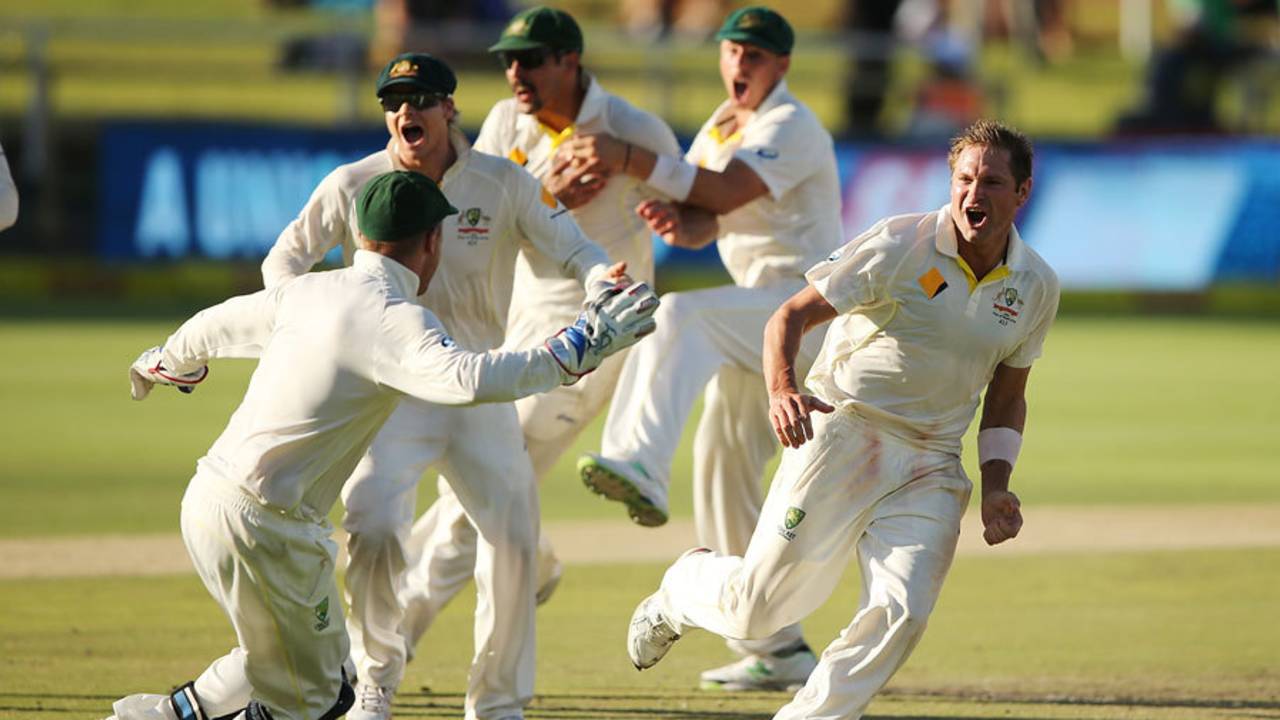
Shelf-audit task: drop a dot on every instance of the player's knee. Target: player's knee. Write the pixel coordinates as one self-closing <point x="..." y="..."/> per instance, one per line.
<point x="752" y="616"/>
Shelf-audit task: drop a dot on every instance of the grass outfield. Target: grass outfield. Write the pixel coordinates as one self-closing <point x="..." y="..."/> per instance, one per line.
<point x="1161" y="636"/>
<point x="1133" y="410"/>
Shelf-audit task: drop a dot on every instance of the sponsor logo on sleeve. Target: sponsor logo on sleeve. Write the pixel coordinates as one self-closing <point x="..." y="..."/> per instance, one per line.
<point x="790" y="522"/>
<point x="932" y="283"/>
<point x="767" y="153"/>
<point x="548" y="199"/>
<point x="446" y="341"/>
<point x="1007" y="306"/>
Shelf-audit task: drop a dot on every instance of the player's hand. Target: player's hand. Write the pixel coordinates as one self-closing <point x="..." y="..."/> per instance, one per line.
<point x="597" y="153"/>
<point x="146" y="372"/>
<point x="1001" y="516"/>
<point x="790" y="414"/>
<point x="574" y="184"/>
<point x="609" y="283"/>
<point x="617" y="321"/>
<point x="663" y="219"/>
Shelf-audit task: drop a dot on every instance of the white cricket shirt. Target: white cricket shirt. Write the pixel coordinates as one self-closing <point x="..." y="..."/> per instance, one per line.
<point x="918" y="338"/>
<point x="501" y="208"/>
<point x="609" y="219"/>
<point x="783" y="233"/>
<point x="337" y="351"/>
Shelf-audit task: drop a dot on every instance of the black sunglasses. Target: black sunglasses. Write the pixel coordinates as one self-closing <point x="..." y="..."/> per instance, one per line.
<point x="529" y="59"/>
<point x="392" y="101"/>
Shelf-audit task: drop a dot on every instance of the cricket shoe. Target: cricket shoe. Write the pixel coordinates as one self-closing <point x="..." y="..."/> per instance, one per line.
<point x="646" y="499"/>
<point x="783" y="670"/>
<point x="651" y="633"/>
<point x="373" y="702"/>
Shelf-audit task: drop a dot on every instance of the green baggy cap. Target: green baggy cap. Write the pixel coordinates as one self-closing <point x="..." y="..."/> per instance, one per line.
<point x="417" y="72"/>
<point x="400" y="205"/>
<point x="541" y="27"/>
<point x="759" y="26"/>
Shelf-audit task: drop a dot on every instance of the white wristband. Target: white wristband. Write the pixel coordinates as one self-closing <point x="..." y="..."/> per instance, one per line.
<point x="999" y="443"/>
<point x="672" y="176"/>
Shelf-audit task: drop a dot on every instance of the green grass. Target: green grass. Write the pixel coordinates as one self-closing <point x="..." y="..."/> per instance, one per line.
<point x="1152" y="635"/>
<point x="1130" y="410"/>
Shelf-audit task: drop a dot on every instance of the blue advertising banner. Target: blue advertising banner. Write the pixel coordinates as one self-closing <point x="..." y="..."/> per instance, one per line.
<point x="1154" y="215"/>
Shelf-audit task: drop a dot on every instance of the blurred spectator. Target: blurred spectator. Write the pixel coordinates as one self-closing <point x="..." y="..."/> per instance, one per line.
<point x="653" y="19"/>
<point x="871" y="23"/>
<point x="8" y="195"/>
<point x="455" y="30"/>
<point x="1184" y="78"/>
<point x="948" y="99"/>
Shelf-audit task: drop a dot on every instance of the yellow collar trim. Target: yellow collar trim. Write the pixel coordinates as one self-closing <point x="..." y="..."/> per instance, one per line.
<point x="1000" y="272"/>
<point x="714" y="134"/>
<point x="557" y="137"/>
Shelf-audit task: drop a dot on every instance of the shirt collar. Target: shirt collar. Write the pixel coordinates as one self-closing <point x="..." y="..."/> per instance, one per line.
<point x="779" y="95"/>
<point x="946" y="243"/>
<point x="401" y="279"/>
<point x="592" y="103"/>
<point x="461" y="147"/>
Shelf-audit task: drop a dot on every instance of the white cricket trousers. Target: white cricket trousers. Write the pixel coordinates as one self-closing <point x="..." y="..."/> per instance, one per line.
<point x="854" y="487"/>
<point x="480" y="450"/>
<point x="708" y="340"/>
<point x="274" y="577"/>
<point x="442" y="542"/>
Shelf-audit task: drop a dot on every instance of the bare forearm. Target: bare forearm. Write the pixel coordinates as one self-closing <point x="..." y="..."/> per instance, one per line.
<point x="698" y="228"/>
<point x="782" y="336"/>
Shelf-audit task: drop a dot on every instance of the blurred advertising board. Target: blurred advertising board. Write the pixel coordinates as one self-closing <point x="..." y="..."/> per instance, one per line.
<point x="1147" y="215"/>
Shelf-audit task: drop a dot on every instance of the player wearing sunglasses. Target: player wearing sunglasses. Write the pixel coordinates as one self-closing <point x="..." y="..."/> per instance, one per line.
<point x="480" y="448"/>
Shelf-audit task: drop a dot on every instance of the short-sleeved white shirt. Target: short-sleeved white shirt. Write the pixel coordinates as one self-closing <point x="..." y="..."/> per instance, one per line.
<point x="917" y="338"/>
<point x="609" y="219"/>
<point x="501" y="209"/>
<point x="781" y="234"/>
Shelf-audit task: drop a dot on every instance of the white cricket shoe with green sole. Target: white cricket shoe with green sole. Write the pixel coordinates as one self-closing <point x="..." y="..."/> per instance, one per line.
<point x="763" y="672"/>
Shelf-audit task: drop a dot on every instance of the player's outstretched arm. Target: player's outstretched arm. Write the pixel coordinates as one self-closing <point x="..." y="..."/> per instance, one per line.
<point x="1004" y="414"/>
<point x="236" y="328"/>
<point x="789" y="408"/>
<point x="438" y="371"/>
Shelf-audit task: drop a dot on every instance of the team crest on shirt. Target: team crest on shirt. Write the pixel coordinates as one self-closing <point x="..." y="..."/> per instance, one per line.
<point x="767" y="153"/>
<point x="1007" y="306"/>
<point x="790" y="522"/>
<point x="322" y="614"/>
<point x="473" y="225"/>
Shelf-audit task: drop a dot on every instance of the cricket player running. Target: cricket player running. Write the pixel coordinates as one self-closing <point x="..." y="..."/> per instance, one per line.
<point x="337" y="352"/>
<point x="479" y="449"/>
<point x="760" y="180"/>
<point x="554" y="99"/>
<point x="929" y="309"/>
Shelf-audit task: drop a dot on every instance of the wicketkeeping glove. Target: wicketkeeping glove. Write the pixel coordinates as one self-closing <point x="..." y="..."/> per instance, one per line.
<point x="613" y="321"/>
<point x="147" y="372"/>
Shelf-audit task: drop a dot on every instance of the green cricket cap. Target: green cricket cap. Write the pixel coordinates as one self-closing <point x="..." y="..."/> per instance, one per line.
<point x="541" y="27"/>
<point x="400" y="205"/>
<point x="759" y="26"/>
<point x="417" y="72"/>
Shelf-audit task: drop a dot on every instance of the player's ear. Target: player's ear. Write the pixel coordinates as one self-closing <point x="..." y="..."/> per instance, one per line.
<point x="1024" y="192"/>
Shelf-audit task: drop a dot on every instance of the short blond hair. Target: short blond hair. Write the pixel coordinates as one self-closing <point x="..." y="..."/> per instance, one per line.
<point x="995" y="134"/>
